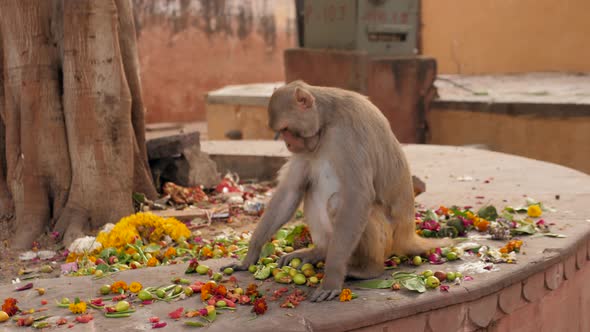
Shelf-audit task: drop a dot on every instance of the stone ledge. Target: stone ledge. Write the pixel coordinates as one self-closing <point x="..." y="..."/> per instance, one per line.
<point x="543" y="263"/>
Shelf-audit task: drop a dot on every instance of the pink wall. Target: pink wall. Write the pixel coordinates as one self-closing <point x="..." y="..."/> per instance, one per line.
<point x="190" y="47"/>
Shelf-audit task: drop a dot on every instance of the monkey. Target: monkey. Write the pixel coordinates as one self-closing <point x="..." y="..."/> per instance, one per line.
<point x="351" y="173"/>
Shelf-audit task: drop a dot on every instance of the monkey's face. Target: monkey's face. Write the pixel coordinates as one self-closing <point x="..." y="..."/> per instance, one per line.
<point x="293" y="113"/>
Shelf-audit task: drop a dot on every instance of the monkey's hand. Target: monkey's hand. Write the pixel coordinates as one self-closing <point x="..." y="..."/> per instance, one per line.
<point x="324" y="294"/>
<point x="307" y="255"/>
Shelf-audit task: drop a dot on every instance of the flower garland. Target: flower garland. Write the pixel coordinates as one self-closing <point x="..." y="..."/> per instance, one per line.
<point x="142" y="225"/>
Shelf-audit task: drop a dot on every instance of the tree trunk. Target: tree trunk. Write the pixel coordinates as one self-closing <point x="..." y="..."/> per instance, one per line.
<point x="73" y="113"/>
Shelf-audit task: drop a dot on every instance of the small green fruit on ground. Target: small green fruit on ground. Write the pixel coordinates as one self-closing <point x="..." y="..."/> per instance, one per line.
<point x="299" y="279"/>
<point x="427" y="273"/>
<point x="452" y="256"/>
<point x="417" y="260"/>
<point x="432" y="282"/>
<point x="228" y="271"/>
<point x="451" y="276"/>
<point x="106" y="289"/>
<point x="252" y="268"/>
<point x="295" y="262"/>
<point x="202" y="269"/>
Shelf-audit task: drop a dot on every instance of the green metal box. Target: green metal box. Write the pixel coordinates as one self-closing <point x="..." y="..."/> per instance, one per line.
<point x="380" y="27"/>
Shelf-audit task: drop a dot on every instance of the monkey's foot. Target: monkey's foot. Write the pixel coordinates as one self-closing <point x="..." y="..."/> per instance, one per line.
<point x="307" y="255"/>
<point x="321" y="294"/>
<point x="236" y="267"/>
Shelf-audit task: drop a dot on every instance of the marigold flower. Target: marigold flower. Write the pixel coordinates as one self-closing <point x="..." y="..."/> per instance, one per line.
<point x="153" y="261"/>
<point x="345" y="295"/>
<point x="534" y="211"/>
<point x="135" y="287"/>
<point x="119" y="286"/>
<point x="260" y="306"/>
<point x="10" y="306"/>
<point x="78" y="307"/>
<point x="482" y="225"/>
<point x="170" y="252"/>
<point x="207" y="290"/>
<point x="252" y="290"/>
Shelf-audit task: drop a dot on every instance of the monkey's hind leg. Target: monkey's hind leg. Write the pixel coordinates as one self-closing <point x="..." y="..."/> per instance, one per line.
<point x="368" y="259"/>
<point x="307" y="255"/>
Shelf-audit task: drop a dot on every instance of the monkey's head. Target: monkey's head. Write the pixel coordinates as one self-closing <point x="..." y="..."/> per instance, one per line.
<point x="293" y="112"/>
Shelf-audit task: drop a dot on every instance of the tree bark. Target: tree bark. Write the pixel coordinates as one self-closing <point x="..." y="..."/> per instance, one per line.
<point x="73" y="112"/>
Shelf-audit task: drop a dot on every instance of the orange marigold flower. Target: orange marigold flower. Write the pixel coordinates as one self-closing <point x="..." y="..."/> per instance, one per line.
<point x="207" y="252"/>
<point x="170" y="252"/>
<point x="221" y="290"/>
<point x="119" y="286"/>
<point x="10" y="306"/>
<point x="345" y="295"/>
<point x="482" y="225"/>
<point x="206" y="290"/>
<point x="252" y="290"/>
<point x="135" y="287"/>
<point x="260" y="306"/>
<point x="153" y="261"/>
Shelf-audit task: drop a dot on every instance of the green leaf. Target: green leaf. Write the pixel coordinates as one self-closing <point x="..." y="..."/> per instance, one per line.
<point x="524" y="229"/>
<point x="102" y="267"/>
<point x="139" y="198"/>
<point x="430" y="215"/>
<point x="107" y="252"/>
<point x="457" y="212"/>
<point x="415" y="284"/>
<point x="267" y="250"/>
<point x="488" y="212"/>
<point x="152" y="247"/>
<point x="282" y="234"/>
<point x="263" y="273"/>
<point x="376" y="284"/>
<point x="554" y="235"/>
<point x="297" y="230"/>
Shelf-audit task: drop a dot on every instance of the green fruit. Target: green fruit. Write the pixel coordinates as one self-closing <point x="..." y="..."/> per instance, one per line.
<point x="320" y="265"/>
<point x="427" y="273"/>
<point x="306" y="266"/>
<point x="273" y="265"/>
<point x="188" y="291"/>
<point x="293" y="273"/>
<point x="452" y="256"/>
<point x="299" y="279"/>
<point x="228" y="271"/>
<point x="122" y="306"/>
<point x="295" y="262"/>
<point x="309" y="272"/>
<point x="221" y="304"/>
<point x="217" y="253"/>
<point x="177" y="290"/>
<point x="283" y="278"/>
<point x="451" y="276"/>
<point x="289" y="249"/>
<point x="252" y="268"/>
<point x="267" y="260"/>
<point x="202" y="269"/>
<point x="217" y="276"/>
<point x="160" y="293"/>
<point x="144" y="295"/>
<point x="396" y="260"/>
<point x="104" y="290"/>
<point x="275" y="271"/>
<point x="313" y="280"/>
<point x="263" y="273"/>
<point x="426" y="233"/>
<point x="432" y="282"/>
<point x="417" y="260"/>
<point x="440" y="275"/>
<point x="458" y="275"/>
<point x="136" y="256"/>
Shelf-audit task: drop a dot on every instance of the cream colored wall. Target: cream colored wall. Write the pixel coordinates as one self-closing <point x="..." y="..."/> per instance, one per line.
<point x="559" y="140"/>
<point x="507" y="36"/>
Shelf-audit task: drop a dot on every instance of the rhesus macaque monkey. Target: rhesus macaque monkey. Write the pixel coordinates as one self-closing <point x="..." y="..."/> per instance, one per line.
<point x="353" y="177"/>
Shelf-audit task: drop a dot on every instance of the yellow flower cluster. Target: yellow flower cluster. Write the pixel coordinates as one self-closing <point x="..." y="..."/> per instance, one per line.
<point x="77" y="307"/>
<point x="127" y="230"/>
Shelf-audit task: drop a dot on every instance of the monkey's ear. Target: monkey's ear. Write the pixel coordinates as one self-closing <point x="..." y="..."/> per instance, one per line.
<point x="304" y="98"/>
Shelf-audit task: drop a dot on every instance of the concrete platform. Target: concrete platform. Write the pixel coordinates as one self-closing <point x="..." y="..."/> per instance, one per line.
<point x="547" y="290"/>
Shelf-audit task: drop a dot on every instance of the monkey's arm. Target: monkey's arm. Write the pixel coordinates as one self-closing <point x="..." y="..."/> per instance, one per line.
<point x="281" y="209"/>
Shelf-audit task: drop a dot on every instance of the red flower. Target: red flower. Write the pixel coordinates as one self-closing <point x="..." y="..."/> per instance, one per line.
<point x="154" y="319"/>
<point x="159" y="325"/>
<point x="84" y="318"/>
<point x="176" y="314"/>
<point x="10" y="306"/>
<point x="260" y="306"/>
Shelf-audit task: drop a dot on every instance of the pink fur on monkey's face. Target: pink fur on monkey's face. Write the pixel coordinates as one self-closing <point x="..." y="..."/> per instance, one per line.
<point x="295" y="143"/>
